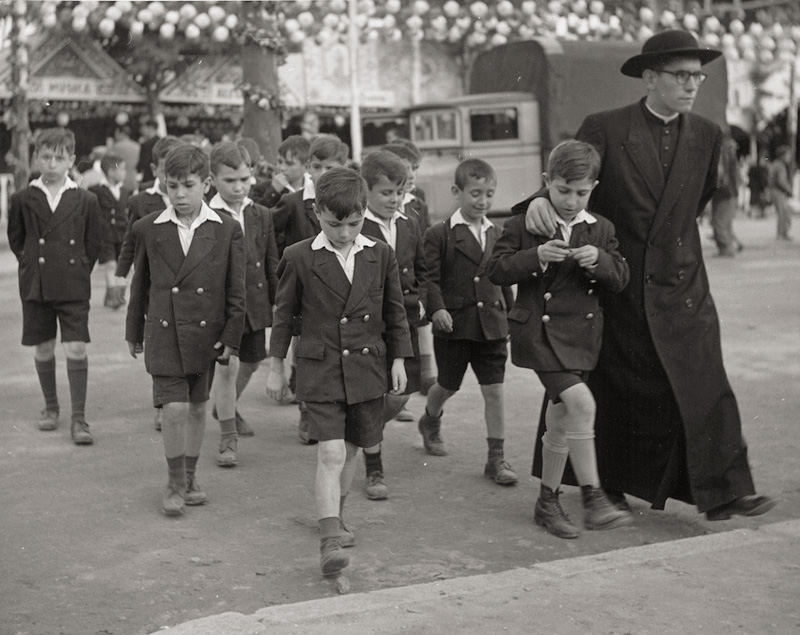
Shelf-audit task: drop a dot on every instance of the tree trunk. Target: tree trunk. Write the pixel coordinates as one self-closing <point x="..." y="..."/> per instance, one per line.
<point x="18" y="121"/>
<point x="260" y="70"/>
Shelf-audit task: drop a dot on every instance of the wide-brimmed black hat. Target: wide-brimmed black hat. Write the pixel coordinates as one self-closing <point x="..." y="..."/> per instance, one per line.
<point x="665" y="45"/>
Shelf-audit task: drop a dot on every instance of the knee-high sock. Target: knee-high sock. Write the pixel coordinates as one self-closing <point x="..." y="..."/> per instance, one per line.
<point x="78" y="374"/>
<point x="47" y="380"/>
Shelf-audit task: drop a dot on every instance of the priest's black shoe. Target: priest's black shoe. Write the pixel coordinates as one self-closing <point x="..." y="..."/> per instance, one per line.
<point x="754" y="505"/>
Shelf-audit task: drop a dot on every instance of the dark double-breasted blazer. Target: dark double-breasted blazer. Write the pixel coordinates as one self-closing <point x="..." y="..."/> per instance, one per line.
<point x="56" y="250"/>
<point x="180" y="306"/>
<point x="294" y="220"/>
<point x="115" y="219"/>
<point x="261" y="255"/>
<point x="456" y="280"/>
<point x="410" y="263"/>
<point x="139" y="206"/>
<point x="349" y="330"/>
<point x="556" y="322"/>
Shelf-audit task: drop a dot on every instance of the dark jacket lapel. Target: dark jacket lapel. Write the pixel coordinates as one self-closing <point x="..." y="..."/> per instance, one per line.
<point x="66" y="207"/>
<point x="363" y="274"/>
<point x="467" y="244"/>
<point x="168" y="245"/>
<point x="203" y="243"/>
<point x="327" y="268"/>
<point x="642" y="151"/>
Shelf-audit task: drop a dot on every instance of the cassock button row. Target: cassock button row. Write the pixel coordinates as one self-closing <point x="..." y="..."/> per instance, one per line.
<point x="200" y="291"/>
<point x="689" y="303"/>
<point x="203" y="323"/>
<point x="545" y="318"/>
<point x="681" y="275"/>
<point x="365" y="351"/>
<point x="345" y="353"/>
<point x="343" y="320"/>
<point x="41" y="260"/>
<point x="680" y="241"/>
<point x="480" y="305"/>
<point x="41" y="241"/>
<point x="648" y="277"/>
<point x="164" y="323"/>
<point x="366" y="318"/>
<point x="175" y="290"/>
<point x="548" y="295"/>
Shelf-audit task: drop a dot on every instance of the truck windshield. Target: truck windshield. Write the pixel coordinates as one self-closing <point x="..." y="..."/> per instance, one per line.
<point x="493" y="125"/>
<point x="435" y="125"/>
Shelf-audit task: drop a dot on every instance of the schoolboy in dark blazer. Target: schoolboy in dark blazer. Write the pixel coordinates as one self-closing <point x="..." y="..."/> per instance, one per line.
<point x="112" y="197"/>
<point x="468" y="313"/>
<point x="557" y="325"/>
<point x="187" y="308"/>
<point x="347" y="288"/>
<point x="385" y="175"/>
<point x="56" y="232"/>
<point x="230" y="172"/>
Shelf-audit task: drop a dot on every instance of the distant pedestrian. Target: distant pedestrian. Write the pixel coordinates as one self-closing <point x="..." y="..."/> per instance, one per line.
<point x="128" y="150"/>
<point x="781" y="180"/>
<point x="149" y="138"/>
<point x="724" y="202"/>
<point x="758" y="181"/>
<point x="56" y="232"/>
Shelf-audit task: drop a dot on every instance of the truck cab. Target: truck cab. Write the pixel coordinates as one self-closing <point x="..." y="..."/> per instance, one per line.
<point x="500" y="128"/>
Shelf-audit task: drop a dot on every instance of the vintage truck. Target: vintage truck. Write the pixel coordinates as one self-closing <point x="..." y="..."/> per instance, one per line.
<point x="524" y="98"/>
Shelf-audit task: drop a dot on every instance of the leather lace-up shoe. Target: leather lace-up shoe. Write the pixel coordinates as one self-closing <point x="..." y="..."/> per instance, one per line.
<point x="332" y="556"/>
<point x="48" y="420"/>
<point x="226" y="457"/>
<point x="499" y="470"/>
<point x="194" y="493"/>
<point x="80" y="433"/>
<point x="753" y="505"/>
<point x="429" y="428"/>
<point x="376" y="487"/>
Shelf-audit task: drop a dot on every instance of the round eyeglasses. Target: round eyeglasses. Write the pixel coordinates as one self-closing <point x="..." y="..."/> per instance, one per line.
<point x="683" y="76"/>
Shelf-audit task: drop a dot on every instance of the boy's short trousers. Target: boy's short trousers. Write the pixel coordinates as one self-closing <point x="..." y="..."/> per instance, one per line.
<point x="488" y="361"/>
<point x="557" y="381"/>
<point x="360" y="423"/>
<point x="40" y="321"/>
<point x="253" y="347"/>
<point x="189" y="388"/>
<point x="413" y="366"/>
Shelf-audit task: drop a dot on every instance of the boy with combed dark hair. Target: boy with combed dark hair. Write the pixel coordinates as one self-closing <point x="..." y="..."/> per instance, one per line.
<point x="152" y="199"/>
<point x="291" y="174"/>
<point x="187" y="308"/>
<point x="468" y="313"/>
<point x="56" y="232"/>
<point x="113" y="199"/>
<point x="557" y="326"/>
<point x="347" y="288"/>
<point x="295" y="220"/>
<point x="230" y="175"/>
<point x="385" y="174"/>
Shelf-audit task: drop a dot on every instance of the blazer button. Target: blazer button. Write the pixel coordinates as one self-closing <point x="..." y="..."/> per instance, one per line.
<point x="405" y="291"/>
<point x="113" y="221"/>
<point x="175" y="290"/>
<point x="365" y="351"/>
<point x="480" y="305"/>
<point x="648" y="278"/>
<point x="71" y="241"/>
<point x="545" y="318"/>
<point x="345" y="353"/>
<point x="476" y="279"/>
<point x="200" y="291"/>
<point x="681" y="275"/>
<point x="41" y="241"/>
<point x="534" y="274"/>
<point x="41" y="260"/>
<point x="680" y="241"/>
<point x="548" y="295"/>
<point x="592" y="281"/>
<point x="260" y="285"/>
<point x="689" y="303"/>
<point x="164" y="323"/>
<point x="589" y="316"/>
<point x="72" y="261"/>
<point x="590" y="292"/>
<point x="258" y="264"/>
<point x="203" y="323"/>
<point x="366" y="318"/>
<point x="405" y="269"/>
<point x="343" y="320"/>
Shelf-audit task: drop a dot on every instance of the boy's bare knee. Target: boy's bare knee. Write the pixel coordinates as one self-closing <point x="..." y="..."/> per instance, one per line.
<point x="74" y="350"/>
<point x="45" y="350"/>
<point x="578" y="402"/>
<point x="331" y="454"/>
<point x="492" y="392"/>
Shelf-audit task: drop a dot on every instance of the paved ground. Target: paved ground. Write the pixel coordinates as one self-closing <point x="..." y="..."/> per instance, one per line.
<point x="85" y="550"/>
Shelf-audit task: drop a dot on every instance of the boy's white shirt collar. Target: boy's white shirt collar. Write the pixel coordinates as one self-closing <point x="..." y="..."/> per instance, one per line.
<point x="309" y="191"/>
<point x="155" y="188"/>
<point x="116" y="190"/>
<point x="348" y="263"/>
<point x="53" y="201"/>
<point x="368" y="213"/>
<point x="388" y="226"/>
<point x="306" y="179"/>
<point x="206" y="214"/>
<point x="217" y="202"/>
<point x="408" y="197"/>
<point x="581" y="217"/>
<point x="458" y="219"/>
